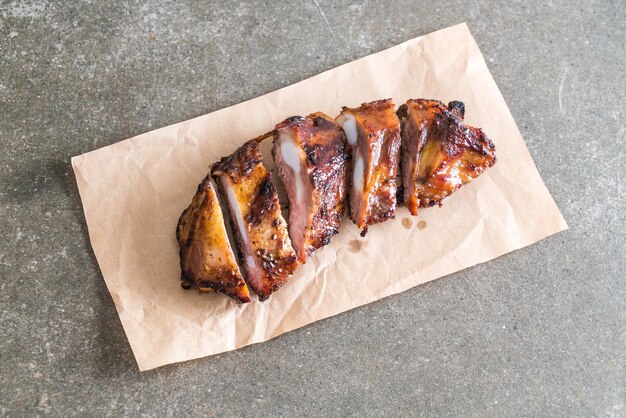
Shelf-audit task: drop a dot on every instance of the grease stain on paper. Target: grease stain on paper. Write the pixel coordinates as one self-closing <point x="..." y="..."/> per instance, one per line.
<point x="355" y="245"/>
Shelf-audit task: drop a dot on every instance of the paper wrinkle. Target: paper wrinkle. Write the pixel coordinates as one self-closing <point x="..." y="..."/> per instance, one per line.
<point x="134" y="191"/>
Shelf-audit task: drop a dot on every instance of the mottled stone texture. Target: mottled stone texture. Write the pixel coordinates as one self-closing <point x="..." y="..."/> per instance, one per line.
<point x="537" y="332"/>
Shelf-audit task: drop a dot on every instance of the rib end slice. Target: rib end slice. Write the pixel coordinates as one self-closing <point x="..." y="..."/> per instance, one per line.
<point x="439" y="152"/>
<point x="206" y="258"/>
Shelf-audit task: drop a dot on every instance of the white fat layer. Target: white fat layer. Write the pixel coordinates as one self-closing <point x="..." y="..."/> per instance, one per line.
<point x="234" y="205"/>
<point x="250" y="261"/>
<point x="358" y="174"/>
<point x="348" y="123"/>
<point x="291" y="156"/>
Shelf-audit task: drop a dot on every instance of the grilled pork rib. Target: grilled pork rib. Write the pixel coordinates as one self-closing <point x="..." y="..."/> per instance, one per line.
<point x="373" y="132"/>
<point x="311" y="154"/>
<point x="439" y="152"/>
<point x="259" y="228"/>
<point x="207" y="261"/>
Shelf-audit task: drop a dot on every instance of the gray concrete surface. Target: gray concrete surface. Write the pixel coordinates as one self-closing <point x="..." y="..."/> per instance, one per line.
<point x="539" y="332"/>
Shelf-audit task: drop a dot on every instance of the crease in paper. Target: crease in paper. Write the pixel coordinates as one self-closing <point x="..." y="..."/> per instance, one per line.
<point x="134" y="191"/>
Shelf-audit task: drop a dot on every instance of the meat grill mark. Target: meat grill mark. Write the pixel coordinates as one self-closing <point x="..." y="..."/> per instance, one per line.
<point x="262" y="203"/>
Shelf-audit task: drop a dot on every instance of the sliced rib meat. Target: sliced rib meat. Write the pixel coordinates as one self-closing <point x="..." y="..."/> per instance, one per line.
<point x="312" y="154"/>
<point x="207" y="261"/>
<point x="439" y="152"/>
<point x="373" y="132"/>
<point x="259" y="228"/>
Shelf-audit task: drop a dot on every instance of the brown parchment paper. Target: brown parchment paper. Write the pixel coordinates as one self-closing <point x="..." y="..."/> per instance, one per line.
<point x="134" y="191"/>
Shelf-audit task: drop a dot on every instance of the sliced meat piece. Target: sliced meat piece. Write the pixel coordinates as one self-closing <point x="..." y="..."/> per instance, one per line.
<point x="373" y="132"/>
<point x="207" y="261"/>
<point x="259" y="228"/>
<point x="419" y="119"/>
<point x="312" y="156"/>
<point x="439" y="152"/>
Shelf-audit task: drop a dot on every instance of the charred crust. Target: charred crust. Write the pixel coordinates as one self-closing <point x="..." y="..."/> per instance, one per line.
<point x="403" y="111"/>
<point x="204" y="184"/>
<point x="294" y="120"/>
<point x="376" y="104"/>
<point x="311" y="154"/>
<point x="291" y="121"/>
<point x="322" y="121"/>
<point x="461" y="137"/>
<point x="228" y="279"/>
<point x="425" y="103"/>
<point x="182" y="221"/>
<point x="457" y="107"/>
<point x="264" y="201"/>
<point x="319" y="121"/>
<point x="240" y="163"/>
<point x="328" y="156"/>
<point x="329" y="235"/>
<point x="400" y="195"/>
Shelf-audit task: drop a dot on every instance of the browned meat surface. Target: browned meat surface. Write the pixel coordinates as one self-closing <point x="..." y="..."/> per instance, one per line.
<point x="312" y="156"/>
<point x="373" y="132"/>
<point x="439" y="152"/>
<point x="259" y="228"/>
<point x="207" y="261"/>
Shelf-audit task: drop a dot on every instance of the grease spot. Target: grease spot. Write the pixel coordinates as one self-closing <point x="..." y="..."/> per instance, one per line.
<point x="421" y="225"/>
<point x="355" y="245"/>
<point x="407" y="223"/>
